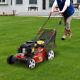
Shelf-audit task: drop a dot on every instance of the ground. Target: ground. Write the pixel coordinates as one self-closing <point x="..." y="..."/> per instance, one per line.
<point x="16" y="30"/>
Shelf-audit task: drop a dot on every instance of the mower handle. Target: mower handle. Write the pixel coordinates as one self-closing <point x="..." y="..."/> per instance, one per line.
<point x="46" y="21"/>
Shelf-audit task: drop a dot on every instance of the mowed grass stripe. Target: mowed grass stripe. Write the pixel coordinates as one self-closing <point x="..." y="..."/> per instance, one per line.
<point x="16" y="30"/>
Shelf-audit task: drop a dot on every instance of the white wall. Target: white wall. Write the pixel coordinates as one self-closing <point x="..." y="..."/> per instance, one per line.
<point x="5" y="7"/>
<point x="8" y="8"/>
<point x="20" y="7"/>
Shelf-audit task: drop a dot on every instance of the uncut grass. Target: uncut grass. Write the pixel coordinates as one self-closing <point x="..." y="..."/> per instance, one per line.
<point x="16" y="30"/>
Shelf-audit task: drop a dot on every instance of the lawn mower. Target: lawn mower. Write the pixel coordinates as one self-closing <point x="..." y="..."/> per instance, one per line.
<point x="36" y="50"/>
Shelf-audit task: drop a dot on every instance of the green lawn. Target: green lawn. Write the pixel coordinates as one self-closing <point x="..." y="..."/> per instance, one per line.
<point x="16" y="30"/>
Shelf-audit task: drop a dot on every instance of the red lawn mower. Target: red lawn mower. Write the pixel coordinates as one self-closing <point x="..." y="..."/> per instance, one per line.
<point x="37" y="50"/>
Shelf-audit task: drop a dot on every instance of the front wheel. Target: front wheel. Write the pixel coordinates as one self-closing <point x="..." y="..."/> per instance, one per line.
<point x="50" y="55"/>
<point x="31" y="63"/>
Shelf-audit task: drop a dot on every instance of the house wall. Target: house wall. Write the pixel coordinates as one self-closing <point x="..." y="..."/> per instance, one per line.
<point x="18" y="8"/>
<point x="5" y="7"/>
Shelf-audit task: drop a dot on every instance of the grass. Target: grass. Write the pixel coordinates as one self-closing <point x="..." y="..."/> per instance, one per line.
<point x="16" y="30"/>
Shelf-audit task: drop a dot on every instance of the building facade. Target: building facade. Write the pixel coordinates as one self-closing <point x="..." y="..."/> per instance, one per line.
<point x="18" y="6"/>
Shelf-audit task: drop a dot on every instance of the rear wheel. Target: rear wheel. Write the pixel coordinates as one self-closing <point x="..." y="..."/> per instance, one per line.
<point x="50" y="55"/>
<point x="11" y="59"/>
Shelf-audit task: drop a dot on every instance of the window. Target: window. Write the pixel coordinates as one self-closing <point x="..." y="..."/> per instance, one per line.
<point x="11" y="2"/>
<point x="71" y="1"/>
<point x="32" y="1"/>
<point x="51" y="3"/>
<point x="78" y="1"/>
<point x="3" y="1"/>
<point x="19" y="1"/>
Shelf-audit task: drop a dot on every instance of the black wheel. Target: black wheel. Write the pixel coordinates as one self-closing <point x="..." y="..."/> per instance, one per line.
<point x="30" y="63"/>
<point x="11" y="59"/>
<point x="50" y="55"/>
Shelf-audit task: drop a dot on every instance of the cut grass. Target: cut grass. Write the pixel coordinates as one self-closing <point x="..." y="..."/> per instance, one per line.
<point x="16" y="30"/>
